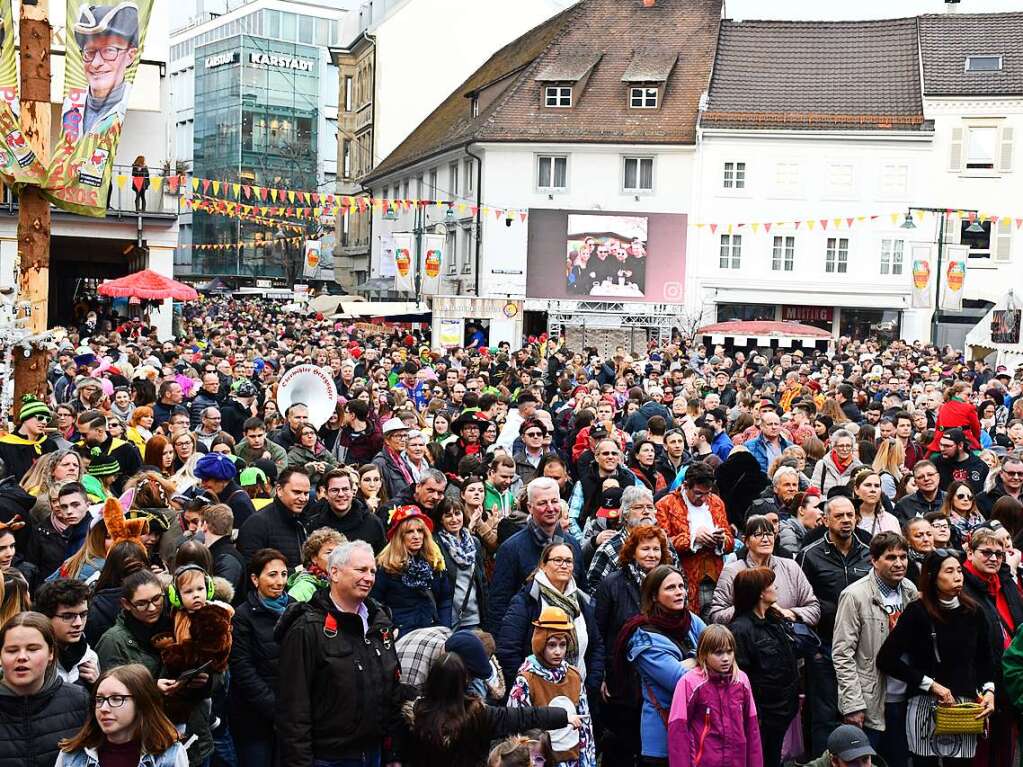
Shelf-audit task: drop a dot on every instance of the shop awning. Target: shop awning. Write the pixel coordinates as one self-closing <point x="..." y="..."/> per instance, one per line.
<point x="347" y="310"/>
<point x="895" y="300"/>
<point x="763" y="332"/>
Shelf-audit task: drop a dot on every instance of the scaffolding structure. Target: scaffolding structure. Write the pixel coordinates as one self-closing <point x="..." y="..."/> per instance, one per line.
<point x="658" y="319"/>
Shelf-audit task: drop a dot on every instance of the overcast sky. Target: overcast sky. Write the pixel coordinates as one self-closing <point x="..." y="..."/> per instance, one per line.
<point x="863" y="9"/>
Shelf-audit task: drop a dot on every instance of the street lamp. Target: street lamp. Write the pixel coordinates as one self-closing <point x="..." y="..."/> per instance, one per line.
<point x="973" y="228"/>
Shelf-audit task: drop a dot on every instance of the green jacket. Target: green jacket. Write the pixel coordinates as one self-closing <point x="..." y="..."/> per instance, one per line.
<point x="277" y="453"/>
<point x="1012" y="671"/>
<point x="302" y="585"/>
<point x="505" y="502"/>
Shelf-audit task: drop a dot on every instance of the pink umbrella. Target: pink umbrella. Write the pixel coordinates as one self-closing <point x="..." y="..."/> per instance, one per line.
<point x="147" y="285"/>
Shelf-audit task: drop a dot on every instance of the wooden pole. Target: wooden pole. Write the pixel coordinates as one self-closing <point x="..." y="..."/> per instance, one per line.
<point x="33" y="209"/>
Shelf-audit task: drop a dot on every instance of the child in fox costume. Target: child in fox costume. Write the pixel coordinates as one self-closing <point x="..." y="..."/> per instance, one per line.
<point x="202" y="633"/>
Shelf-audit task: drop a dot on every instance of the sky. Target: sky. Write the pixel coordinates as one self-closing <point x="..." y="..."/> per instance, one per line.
<point x="862" y="9"/>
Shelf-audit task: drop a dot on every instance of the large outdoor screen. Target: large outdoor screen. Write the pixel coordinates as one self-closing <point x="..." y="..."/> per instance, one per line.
<point x="613" y="256"/>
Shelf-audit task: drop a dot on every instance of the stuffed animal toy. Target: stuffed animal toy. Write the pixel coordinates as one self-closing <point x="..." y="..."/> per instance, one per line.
<point x="118" y="527"/>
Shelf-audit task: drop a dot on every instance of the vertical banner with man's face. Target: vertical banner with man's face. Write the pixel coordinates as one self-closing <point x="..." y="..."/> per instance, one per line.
<point x="18" y="163"/>
<point x="104" y="46"/>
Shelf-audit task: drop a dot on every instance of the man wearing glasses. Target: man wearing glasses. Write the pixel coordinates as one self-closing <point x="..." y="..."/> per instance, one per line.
<point x="1009" y="482"/>
<point x="28" y="442"/>
<point x="66" y="603"/>
<point x="928" y="496"/>
<point x="108" y="37"/>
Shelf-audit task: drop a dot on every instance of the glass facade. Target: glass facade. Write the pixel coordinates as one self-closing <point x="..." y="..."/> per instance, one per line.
<point x="269" y="23"/>
<point x="256" y="117"/>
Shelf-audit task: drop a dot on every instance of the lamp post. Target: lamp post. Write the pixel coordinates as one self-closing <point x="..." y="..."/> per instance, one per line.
<point x="973" y="228"/>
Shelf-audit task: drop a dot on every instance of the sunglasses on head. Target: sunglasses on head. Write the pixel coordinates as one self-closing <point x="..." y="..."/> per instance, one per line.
<point x="943" y="554"/>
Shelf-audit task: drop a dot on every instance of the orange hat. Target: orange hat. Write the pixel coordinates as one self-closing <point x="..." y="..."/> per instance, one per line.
<point x="405" y="513"/>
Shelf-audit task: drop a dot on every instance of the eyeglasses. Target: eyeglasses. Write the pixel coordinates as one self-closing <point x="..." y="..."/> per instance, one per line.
<point x="149" y="604"/>
<point x="991" y="554"/>
<point x="963" y="497"/>
<point x="1008" y="473"/>
<point x="608" y="452"/>
<point x="72" y="617"/>
<point x="339" y="491"/>
<point x="763" y="534"/>
<point x="561" y="561"/>
<point x="107" y="53"/>
<point x="114" y="701"/>
<point x="533" y="434"/>
<point x="943" y="554"/>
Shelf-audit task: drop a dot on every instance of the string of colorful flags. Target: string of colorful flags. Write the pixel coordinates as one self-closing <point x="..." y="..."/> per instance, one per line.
<point x="249" y="243"/>
<point x="848" y="222"/>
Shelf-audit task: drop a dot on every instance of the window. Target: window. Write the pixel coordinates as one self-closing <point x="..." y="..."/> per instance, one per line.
<point x="470" y="177"/>
<point x="466" y="249"/>
<point x="643" y="98"/>
<point x="639" y="174"/>
<point x="419" y="188"/>
<point x="786" y="179"/>
<point x="450" y="253"/>
<point x="734" y="176"/>
<point x="840" y="179"/>
<point x="783" y="254"/>
<point x="891" y="256"/>
<point x="346" y="158"/>
<point x="474" y="106"/>
<point x="980" y="148"/>
<point x="434" y="192"/>
<point x="558" y="96"/>
<point x="405" y="196"/>
<point x="731" y="251"/>
<point x="551" y="172"/>
<point x="453" y="180"/>
<point x="978" y="242"/>
<point x="348" y="93"/>
<point x="836" y="258"/>
<point x="983" y="63"/>
<point x="894" y="180"/>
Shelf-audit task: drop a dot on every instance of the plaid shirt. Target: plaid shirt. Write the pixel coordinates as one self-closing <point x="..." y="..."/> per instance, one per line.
<point x="605" y="560"/>
<point x="417" y="651"/>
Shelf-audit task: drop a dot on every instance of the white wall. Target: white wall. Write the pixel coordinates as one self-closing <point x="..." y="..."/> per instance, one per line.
<point x="427" y="48"/>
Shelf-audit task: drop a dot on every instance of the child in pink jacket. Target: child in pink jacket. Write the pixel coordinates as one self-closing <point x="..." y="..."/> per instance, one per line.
<point x="713" y="720"/>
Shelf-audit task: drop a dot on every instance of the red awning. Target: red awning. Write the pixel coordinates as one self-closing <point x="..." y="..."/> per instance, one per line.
<point x="764" y="328"/>
<point x="147" y="285"/>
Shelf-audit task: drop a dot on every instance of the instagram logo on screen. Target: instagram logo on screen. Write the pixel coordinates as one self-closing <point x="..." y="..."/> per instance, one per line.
<point x="673" y="291"/>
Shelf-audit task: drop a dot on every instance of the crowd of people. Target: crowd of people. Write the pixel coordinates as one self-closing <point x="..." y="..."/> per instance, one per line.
<point x="491" y="556"/>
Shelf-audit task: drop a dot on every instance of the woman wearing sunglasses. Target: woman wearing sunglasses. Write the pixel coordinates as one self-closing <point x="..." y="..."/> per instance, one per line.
<point x="941" y="647"/>
<point x="989" y="582"/>
<point x="126" y="725"/>
<point x="960" y="508"/>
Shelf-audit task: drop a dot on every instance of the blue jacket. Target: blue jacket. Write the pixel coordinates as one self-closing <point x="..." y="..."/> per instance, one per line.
<point x="638" y="420"/>
<point x="722" y="445"/>
<point x="174" y="756"/>
<point x="514" y="641"/>
<point x="516" y="560"/>
<point x="659" y="661"/>
<point x="758" y="449"/>
<point x="412" y="609"/>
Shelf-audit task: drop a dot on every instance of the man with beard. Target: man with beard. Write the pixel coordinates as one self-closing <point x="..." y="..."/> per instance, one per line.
<point x="20" y="449"/>
<point x="97" y="446"/>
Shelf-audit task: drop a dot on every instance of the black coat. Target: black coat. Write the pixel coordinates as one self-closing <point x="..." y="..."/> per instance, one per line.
<point x="357" y="525"/>
<point x="764" y="651"/>
<point x="277" y="528"/>
<point x="976" y="589"/>
<point x="391" y="475"/>
<point x="233" y="415"/>
<point x="229" y="564"/>
<point x="617" y="599"/>
<point x="48" y="549"/>
<point x="343" y="694"/>
<point x="591" y="485"/>
<point x="104" y="607"/>
<point x="740" y="481"/>
<point x="255" y="657"/>
<point x="31" y="726"/>
<point x="514" y="641"/>
<point x="18" y="459"/>
<point x="829" y="573"/>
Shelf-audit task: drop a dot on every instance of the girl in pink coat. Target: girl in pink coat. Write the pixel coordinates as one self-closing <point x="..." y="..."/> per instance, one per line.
<point x="713" y="720"/>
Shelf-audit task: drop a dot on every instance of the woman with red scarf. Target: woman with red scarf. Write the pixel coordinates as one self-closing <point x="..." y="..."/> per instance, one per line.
<point x="643" y="463"/>
<point x="989" y="582"/>
<point x="957" y="413"/>
<point x="838" y="466"/>
<point x="660" y="644"/>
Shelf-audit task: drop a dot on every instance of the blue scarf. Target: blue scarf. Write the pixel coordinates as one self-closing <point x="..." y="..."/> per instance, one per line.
<point x="275" y="605"/>
<point x="418" y="575"/>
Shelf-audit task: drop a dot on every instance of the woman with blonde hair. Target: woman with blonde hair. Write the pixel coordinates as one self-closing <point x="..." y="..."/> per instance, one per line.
<point x="125" y="725"/>
<point x="140" y="426"/>
<point x="87" y="563"/>
<point x="411" y="579"/>
<point x="889" y="464"/>
<point x="834" y="411"/>
<point x="14" y="596"/>
<point x="51" y="472"/>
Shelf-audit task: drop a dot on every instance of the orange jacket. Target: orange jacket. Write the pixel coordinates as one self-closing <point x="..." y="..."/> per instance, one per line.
<point x="673" y="518"/>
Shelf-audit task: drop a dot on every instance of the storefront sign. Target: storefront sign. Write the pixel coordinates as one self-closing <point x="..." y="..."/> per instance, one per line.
<point x="280" y="61"/>
<point x="808" y="313"/>
<point x="220" y="59"/>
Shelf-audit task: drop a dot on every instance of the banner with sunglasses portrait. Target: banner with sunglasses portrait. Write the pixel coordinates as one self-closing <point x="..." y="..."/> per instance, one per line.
<point x="18" y="163"/>
<point x="104" y="47"/>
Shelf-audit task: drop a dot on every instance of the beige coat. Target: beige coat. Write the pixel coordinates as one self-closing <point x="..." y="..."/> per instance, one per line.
<point x="861" y="626"/>
<point x="794" y="591"/>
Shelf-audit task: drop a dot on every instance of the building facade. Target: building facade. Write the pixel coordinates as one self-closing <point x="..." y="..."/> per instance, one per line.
<point x="256" y="104"/>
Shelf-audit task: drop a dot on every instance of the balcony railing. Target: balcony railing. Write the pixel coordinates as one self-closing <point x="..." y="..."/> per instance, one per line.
<point x="159" y="203"/>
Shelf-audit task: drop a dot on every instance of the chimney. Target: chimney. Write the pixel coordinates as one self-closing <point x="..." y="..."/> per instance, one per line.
<point x="649" y="3"/>
<point x="951" y="6"/>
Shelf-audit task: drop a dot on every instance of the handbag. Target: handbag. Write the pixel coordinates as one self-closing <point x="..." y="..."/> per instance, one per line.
<point x="959" y="719"/>
<point x="805" y="642"/>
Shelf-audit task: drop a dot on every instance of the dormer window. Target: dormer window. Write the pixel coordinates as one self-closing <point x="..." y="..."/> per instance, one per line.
<point x="558" y="96"/>
<point x="643" y="97"/>
<point x="985" y="63"/>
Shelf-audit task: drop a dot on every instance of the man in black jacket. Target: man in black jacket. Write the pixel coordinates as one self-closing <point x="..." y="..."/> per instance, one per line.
<point x="928" y="496"/>
<point x="343" y="698"/>
<point x="284" y="524"/>
<point x="62" y="533"/>
<point x="237" y="409"/>
<point x="287" y="436"/>
<point x="343" y="513"/>
<point x="207" y="396"/>
<point x="216" y="526"/>
<point x="1009" y="482"/>
<point x="29" y="441"/>
<point x="99" y="447"/>
<point x="831" y="563"/>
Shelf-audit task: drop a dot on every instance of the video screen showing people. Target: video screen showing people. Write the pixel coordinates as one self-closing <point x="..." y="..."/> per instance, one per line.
<point x="606" y="256"/>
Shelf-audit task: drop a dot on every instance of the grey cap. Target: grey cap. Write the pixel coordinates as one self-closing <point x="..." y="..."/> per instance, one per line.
<point x="849" y="742"/>
<point x="121" y="20"/>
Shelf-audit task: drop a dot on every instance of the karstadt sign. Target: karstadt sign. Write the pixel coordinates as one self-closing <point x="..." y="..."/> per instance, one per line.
<point x="279" y="61"/>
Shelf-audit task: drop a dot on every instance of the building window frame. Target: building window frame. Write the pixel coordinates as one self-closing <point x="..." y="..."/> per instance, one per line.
<point x="733" y="175"/>
<point x="546" y="181"/>
<point x="893" y="251"/>
<point x="644" y="97"/>
<point x="558" y="96"/>
<point x="836" y="255"/>
<point x="783" y="253"/>
<point x="642" y="163"/>
<point x="730" y="254"/>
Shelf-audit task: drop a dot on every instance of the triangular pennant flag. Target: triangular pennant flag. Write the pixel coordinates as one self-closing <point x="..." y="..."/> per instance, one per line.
<point x="316" y="197"/>
<point x="206" y="185"/>
<point x="713" y="228"/>
<point x="699" y="226"/>
<point x="291" y="195"/>
<point x="172" y="184"/>
<point x="158" y="182"/>
<point x="894" y="217"/>
<point x="195" y="184"/>
<point x="755" y="227"/>
<point x="1019" y="222"/>
<point x="474" y="210"/>
<point x="273" y="195"/>
<point x="920" y="215"/>
<point x="136" y="182"/>
<point x="809" y="223"/>
<point x="216" y="187"/>
<point x="797" y="223"/>
<point x="522" y="216"/>
<point x="247" y="190"/>
<point x="838" y="223"/>
<point x="729" y="228"/>
<point x="767" y="228"/>
<point x="121" y="180"/>
<point x="824" y="223"/>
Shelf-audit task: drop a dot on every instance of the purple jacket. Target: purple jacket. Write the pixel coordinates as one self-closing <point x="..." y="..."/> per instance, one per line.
<point x="713" y="723"/>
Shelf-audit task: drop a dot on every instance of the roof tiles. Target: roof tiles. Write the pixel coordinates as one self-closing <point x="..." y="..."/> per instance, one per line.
<point x="947" y="39"/>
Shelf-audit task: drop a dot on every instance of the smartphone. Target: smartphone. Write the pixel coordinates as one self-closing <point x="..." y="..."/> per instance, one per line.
<point x="187" y="676"/>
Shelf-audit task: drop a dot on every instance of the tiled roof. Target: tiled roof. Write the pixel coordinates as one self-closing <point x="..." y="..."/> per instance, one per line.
<point x="568" y="67"/>
<point x="814" y="75"/>
<point x="650" y="67"/>
<point x="947" y="39"/>
<point x="687" y="29"/>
